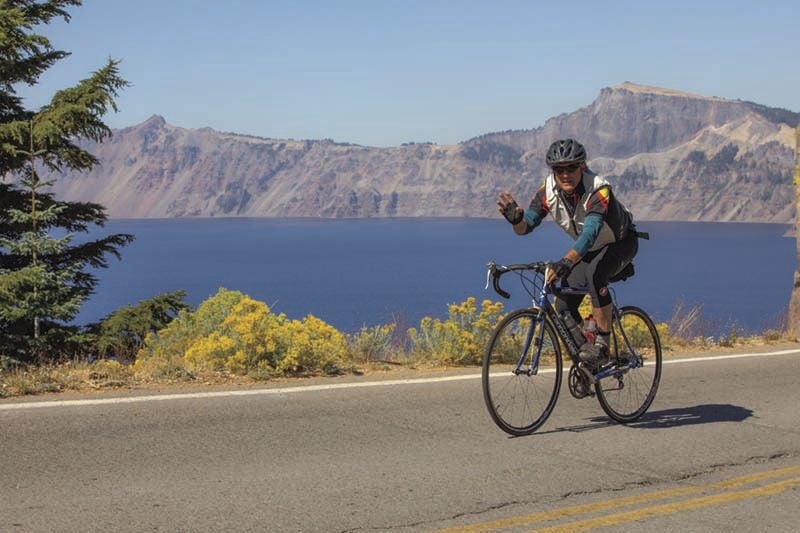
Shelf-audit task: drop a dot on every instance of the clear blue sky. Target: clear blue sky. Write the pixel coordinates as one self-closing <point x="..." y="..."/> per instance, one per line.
<point x="381" y="72"/>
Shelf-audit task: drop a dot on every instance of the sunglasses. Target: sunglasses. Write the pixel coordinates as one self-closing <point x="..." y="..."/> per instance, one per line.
<point x="569" y="169"/>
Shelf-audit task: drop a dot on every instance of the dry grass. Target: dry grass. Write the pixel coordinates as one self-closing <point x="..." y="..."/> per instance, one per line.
<point x="78" y="376"/>
<point x="109" y="375"/>
<point x="685" y="333"/>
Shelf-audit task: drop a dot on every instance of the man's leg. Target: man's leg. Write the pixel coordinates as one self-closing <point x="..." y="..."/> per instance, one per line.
<point x="603" y="317"/>
<point x="612" y="259"/>
<point x="599" y="350"/>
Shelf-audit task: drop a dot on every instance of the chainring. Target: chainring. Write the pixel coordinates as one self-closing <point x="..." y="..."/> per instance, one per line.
<point x="579" y="385"/>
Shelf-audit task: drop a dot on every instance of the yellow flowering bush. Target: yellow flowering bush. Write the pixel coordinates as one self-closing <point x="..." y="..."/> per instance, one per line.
<point x="252" y="327"/>
<point x="310" y="345"/>
<point x="163" y="352"/>
<point x="462" y="338"/>
<point x="234" y="333"/>
<point x="210" y="353"/>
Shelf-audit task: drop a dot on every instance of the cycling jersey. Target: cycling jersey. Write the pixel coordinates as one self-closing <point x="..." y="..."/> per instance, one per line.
<point x="592" y="216"/>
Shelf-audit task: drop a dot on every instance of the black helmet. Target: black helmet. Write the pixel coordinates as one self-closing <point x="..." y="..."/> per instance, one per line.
<point x="565" y="151"/>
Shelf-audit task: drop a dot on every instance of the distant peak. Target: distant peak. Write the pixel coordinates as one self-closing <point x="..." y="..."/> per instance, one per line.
<point x="660" y="91"/>
<point x="154" y="121"/>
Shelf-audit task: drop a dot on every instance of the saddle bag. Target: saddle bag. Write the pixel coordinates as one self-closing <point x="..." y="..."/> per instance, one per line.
<point x="623" y="274"/>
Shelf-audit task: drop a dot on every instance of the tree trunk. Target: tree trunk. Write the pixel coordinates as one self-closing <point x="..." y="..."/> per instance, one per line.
<point x="794" y="305"/>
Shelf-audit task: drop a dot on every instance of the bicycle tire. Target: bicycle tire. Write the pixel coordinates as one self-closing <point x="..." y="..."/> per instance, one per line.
<point x="520" y="403"/>
<point x="627" y="396"/>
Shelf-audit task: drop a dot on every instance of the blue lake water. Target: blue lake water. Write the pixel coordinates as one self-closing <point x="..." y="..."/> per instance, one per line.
<point x="352" y="273"/>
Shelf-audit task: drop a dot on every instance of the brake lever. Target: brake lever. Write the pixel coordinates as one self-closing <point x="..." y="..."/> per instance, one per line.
<point x="489" y="269"/>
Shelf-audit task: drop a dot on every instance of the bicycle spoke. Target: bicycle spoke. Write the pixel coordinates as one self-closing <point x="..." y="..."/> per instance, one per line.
<point x="518" y="401"/>
<point x="627" y="396"/>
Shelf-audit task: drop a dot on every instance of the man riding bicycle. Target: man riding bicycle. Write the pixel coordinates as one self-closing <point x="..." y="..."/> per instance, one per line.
<point x="606" y="241"/>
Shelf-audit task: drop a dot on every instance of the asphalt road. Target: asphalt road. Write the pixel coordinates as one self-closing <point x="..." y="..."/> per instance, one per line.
<point x="718" y="451"/>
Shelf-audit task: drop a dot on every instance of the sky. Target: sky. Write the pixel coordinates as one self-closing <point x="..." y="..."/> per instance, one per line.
<point x="385" y="72"/>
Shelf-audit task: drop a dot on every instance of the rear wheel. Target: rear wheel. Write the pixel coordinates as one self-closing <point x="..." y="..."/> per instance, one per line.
<point x="518" y="400"/>
<point x="628" y="394"/>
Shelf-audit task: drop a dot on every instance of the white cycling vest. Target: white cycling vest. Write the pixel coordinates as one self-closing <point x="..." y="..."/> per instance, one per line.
<point x="573" y="224"/>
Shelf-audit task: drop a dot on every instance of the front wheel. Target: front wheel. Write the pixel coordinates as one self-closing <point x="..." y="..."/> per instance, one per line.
<point x="520" y="390"/>
<point x="626" y="395"/>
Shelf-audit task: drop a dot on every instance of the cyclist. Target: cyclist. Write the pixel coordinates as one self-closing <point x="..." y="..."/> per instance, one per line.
<point x="584" y="205"/>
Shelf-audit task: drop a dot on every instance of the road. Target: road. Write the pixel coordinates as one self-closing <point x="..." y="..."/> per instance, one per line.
<point x="718" y="451"/>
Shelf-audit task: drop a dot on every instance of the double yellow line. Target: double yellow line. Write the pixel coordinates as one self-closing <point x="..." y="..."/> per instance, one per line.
<point x="728" y="494"/>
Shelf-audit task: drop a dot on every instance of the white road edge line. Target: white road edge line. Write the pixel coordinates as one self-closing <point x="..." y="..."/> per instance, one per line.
<point x="313" y="388"/>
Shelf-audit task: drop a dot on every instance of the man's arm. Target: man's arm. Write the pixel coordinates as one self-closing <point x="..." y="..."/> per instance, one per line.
<point x="536" y="212"/>
<point x="596" y="213"/>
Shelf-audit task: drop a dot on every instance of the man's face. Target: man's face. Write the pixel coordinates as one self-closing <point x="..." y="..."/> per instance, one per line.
<point x="568" y="176"/>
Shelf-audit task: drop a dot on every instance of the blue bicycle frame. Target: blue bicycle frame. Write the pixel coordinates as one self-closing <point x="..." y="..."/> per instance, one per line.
<point x="544" y="307"/>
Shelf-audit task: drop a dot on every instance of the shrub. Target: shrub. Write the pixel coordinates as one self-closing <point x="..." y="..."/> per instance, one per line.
<point x="232" y="332"/>
<point x="123" y="332"/>
<point x="773" y="335"/>
<point x="9" y="363"/>
<point x="372" y="344"/>
<point x="311" y="345"/>
<point x="162" y="354"/>
<point x="18" y="383"/>
<point x="462" y="338"/>
<point x="243" y="340"/>
<point x="731" y="339"/>
<point x="100" y="374"/>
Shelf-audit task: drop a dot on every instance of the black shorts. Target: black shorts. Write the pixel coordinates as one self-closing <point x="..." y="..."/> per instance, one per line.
<point x="596" y="268"/>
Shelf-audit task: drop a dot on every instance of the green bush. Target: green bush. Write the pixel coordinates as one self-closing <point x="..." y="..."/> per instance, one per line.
<point x="123" y="332"/>
<point x="372" y="344"/>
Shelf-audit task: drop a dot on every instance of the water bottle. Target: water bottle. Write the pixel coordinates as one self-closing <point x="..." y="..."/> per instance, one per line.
<point x="573" y="328"/>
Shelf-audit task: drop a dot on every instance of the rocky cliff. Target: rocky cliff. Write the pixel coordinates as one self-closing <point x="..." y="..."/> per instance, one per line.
<point x="670" y="156"/>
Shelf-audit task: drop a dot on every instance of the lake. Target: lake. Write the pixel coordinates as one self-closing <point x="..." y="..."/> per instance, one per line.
<point x="352" y="273"/>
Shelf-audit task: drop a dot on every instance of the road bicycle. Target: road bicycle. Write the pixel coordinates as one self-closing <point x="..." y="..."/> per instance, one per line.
<point x="522" y="366"/>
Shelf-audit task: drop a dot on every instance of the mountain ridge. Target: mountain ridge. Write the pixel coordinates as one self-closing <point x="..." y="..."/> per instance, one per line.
<point x="670" y="155"/>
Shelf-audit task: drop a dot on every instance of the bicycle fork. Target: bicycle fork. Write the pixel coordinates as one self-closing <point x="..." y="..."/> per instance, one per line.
<point x="536" y="341"/>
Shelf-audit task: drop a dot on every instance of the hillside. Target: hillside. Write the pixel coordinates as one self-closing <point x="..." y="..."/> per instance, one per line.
<point x="670" y="155"/>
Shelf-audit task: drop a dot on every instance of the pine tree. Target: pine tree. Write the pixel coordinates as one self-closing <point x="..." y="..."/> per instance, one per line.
<point x="44" y="278"/>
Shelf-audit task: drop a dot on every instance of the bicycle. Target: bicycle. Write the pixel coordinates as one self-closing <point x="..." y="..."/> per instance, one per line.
<point x="522" y="366"/>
